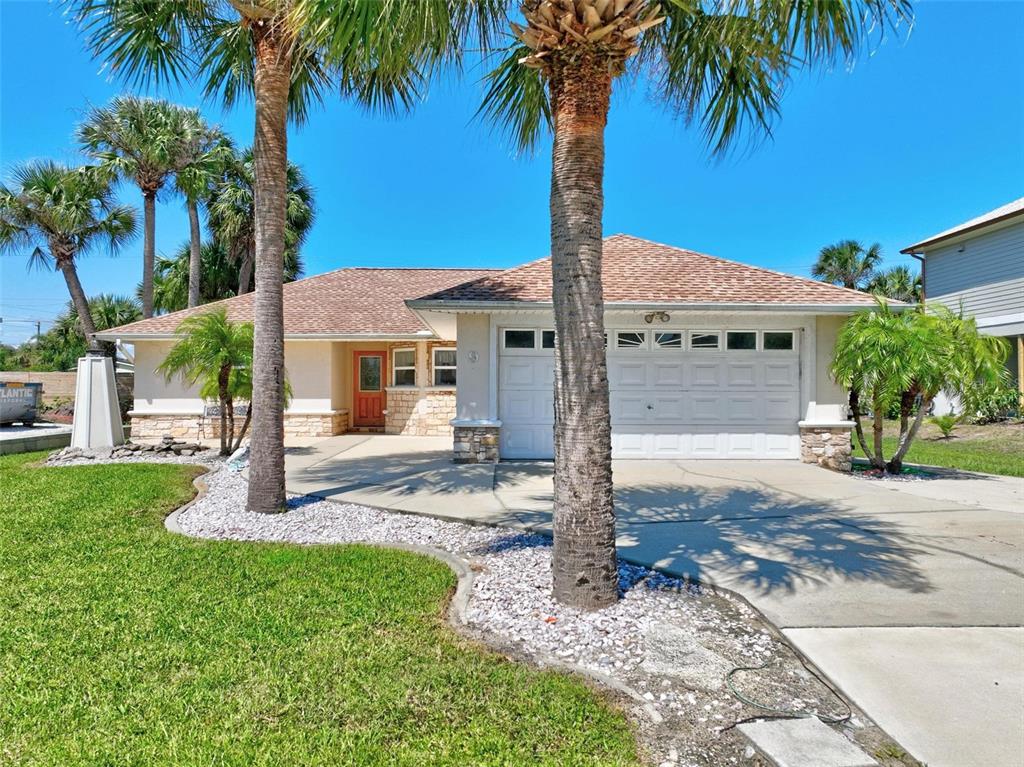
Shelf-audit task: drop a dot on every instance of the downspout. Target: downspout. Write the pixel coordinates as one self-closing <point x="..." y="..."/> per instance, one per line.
<point x="924" y="273"/>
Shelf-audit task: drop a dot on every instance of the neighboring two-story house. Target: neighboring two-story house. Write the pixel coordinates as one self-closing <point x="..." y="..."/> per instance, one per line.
<point x="978" y="266"/>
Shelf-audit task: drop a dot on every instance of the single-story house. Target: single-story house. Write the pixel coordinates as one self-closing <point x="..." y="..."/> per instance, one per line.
<point x="707" y="358"/>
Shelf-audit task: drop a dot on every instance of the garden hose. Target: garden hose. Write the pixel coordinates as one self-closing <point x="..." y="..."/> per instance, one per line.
<point x="781" y="713"/>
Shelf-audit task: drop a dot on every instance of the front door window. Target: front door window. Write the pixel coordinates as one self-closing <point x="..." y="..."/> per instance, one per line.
<point x="369" y="374"/>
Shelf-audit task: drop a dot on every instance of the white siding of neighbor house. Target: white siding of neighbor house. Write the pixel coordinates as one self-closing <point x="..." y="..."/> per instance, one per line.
<point x="986" y="277"/>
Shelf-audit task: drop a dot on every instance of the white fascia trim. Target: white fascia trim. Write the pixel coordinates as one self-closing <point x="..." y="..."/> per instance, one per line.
<point x="425" y="335"/>
<point x="497" y="306"/>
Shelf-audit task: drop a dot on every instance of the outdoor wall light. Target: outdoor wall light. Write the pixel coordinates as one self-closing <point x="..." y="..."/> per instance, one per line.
<point x="660" y="316"/>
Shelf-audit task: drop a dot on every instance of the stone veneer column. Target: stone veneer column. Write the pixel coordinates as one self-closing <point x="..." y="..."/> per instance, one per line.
<point x="827" y="445"/>
<point x="475" y="441"/>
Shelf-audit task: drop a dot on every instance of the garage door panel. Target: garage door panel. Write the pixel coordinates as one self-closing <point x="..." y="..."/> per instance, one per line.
<point x="666" y="404"/>
<point x="628" y="408"/>
<point x="667" y="374"/>
<point x="632" y="374"/>
<point x="706" y="408"/>
<point x="705" y="375"/>
<point x="781" y="374"/>
<point x="742" y="408"/>
<point x="781" y="408"/>
<point x="669" y="409"/>
<point x="741" y="374"/>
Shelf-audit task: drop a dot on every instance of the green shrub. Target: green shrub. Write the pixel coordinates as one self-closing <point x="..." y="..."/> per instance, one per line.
<point x="945" y="424"/>
<point x="992" y="404"/>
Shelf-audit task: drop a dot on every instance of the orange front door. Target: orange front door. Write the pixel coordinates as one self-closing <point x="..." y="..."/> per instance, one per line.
<point x="370" y="374"/>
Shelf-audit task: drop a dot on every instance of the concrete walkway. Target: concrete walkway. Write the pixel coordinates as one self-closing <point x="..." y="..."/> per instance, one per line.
<point x="910" y="596"/>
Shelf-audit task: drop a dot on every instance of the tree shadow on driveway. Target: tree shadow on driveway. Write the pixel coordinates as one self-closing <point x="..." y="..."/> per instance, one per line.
<point x="759" y="541"/>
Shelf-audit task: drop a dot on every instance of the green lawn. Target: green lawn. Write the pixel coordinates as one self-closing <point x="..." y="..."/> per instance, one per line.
<point x="994" y="449"/>
<point x="122" y="644"/>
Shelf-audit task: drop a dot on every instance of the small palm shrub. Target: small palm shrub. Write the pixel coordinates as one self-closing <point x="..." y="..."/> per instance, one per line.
<point x="945" y="424"/>
<point x="902" y="359"/>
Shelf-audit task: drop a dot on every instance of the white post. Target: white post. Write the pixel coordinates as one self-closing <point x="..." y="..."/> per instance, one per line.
<point x="97" y="413"/>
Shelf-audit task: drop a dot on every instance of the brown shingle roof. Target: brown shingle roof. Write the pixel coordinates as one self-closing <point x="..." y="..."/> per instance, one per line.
<point x="641" y="271"/>
<point x="343" y="302"/>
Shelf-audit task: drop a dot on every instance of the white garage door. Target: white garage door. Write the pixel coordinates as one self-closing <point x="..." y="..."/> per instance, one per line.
<point x="706" y="394"/>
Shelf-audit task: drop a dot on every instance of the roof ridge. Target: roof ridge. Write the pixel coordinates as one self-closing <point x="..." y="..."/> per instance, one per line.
<point x="746" y="266"/>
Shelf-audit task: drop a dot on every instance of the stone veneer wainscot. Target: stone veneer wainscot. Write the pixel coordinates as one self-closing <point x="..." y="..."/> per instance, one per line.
<point x="828" y="446"/>
<point x="420" y="411"/>
<point x="475" y="441"/>
<point x="186" y="426"/>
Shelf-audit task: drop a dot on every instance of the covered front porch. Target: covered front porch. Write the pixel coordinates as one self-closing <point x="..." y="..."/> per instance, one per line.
<point x="374" y="386"/>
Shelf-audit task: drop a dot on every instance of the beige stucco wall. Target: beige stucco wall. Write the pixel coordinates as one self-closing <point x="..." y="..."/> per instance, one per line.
<point x="309" y="365"/>
<point x="826" y="389"/>
<point x="474" y="367"/>
<point x="153" y="393"/>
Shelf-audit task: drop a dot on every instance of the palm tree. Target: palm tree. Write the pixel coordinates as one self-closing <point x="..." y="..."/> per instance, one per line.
<point x="205" y="153"/>
<point x="171" y="278"/>
<point x="847" y="263"/>
<point x="282" y="53"/>
<point x="905" y="359"/>
<point x="57" y="214"/>
<point x="232" y="212"/>
<point x="724" y="64"/>
<point x="217" y="354"/>
<point x="898" y="283"/>
<point x="141" y="141"/>
<point x="60" y="347"/>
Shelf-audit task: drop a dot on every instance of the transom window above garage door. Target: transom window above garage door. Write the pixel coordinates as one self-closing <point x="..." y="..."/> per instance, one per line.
<point x="513" y="338"/>
<point x="703" y="340"/>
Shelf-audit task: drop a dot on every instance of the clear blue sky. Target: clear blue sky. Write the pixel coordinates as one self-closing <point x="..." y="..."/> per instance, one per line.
<point x="925" y="133"/>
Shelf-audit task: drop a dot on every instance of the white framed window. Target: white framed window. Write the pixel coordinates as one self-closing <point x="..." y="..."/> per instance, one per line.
<point x="630" y="339"/>
<point x="777" y="340"/>
<point x="547" y="339"/>
<point x="403" y="365"/>
<point x="705" y="340"/>
<point x="668" y="340"/>
<point x="444" y="366"/>
<point x="741" y="340"/>
<point x="520" y="339"/>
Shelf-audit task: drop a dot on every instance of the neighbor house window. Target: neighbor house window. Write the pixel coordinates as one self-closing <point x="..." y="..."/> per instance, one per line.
<point x="630" y="340"/>
<point x="547" y="339"/>
<point x="703" y="340"/>
<point x="444" y="367"/>
<point x="741" y="340"/>
<point x="668" y="340"/>
<point x="519" y="339"/>
<point x="404" y="367"/>
<point x="778" y="340"/>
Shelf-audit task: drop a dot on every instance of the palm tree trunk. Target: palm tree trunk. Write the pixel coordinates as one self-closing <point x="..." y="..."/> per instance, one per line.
<point x="245" y="428"/>
<point x="895" y="465"/>
<point x="195" y="263"/>
<point x="223" y="378"/>
<point x="858" y="426"/>
<point x="270" y="155"/>
<point x="877" y="460"/>
<point x="148" y="250"/>
<point x="67" y="268"/>
<point x="245" y="272"/>
<point x="583" y="560"/>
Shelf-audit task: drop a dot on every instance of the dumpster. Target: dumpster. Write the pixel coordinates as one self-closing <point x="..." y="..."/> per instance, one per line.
<point x="19" y="402"/>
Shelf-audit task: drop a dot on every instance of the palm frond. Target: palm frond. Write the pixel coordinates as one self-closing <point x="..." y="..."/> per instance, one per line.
<point x="516" y="101"/>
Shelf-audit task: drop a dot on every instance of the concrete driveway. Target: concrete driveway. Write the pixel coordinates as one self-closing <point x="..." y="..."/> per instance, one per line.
<point x="910" y="596"/>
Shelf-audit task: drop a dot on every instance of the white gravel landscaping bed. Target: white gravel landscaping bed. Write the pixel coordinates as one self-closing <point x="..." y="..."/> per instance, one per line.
<point x="681" y="716"/>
